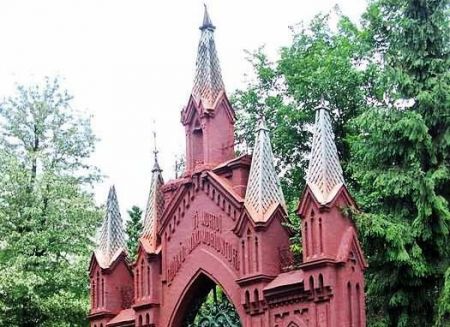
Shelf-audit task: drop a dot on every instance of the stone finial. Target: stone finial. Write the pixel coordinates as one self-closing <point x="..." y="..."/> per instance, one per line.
<point x="263" y="188"/>
<point x="112" y="235"/>
<point x="208" y="81"/>
<point x="324" y="175"/>
<point x="207" y="23"/>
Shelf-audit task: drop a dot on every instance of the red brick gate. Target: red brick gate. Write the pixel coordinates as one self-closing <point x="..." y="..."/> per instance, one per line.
<point x="222" y="223"/>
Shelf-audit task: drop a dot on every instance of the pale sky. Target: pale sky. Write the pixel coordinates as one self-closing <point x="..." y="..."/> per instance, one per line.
<point x="131" y="62"/>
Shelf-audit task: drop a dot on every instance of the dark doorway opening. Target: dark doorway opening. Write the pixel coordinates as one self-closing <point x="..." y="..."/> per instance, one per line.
<point x="208" y="306"/>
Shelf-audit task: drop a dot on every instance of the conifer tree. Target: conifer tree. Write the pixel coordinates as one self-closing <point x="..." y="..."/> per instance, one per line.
<point x="401" y="160"/>
<point x="134" y="230"/>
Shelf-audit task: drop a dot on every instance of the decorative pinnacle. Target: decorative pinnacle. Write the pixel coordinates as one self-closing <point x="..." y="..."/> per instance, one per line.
<point x="261" y="123"/>
<point x="207" y="23"/>
<point x="263" y="188"/>
<point x="155" y="206"/>
<point x="155" y="153"/>
<point x="324" y="175"/>
<point x="112" y="235"/>
<point x="323" y="104"/>
<point x="208" y="81"/>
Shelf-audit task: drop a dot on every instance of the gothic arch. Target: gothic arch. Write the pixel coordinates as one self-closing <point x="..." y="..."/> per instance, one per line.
<point x="199" y="285"/>
<point x="295" y="322"/>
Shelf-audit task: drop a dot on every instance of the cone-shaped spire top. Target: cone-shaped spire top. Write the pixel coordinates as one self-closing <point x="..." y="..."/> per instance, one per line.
<point x="324" y="175"/>
<point x="207" y="23"/>
<point x="263" y="188"/>
<point x="112" y="234"/>
<point x="208" y="77"/>
<point x="155" y="153"/>
<point x="155" y="204"/>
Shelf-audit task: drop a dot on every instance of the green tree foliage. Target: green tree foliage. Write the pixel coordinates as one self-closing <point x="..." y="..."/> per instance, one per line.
<point x="401" y="161"/>
<point x="47" y="213"/>
<point x="134" y="230"/>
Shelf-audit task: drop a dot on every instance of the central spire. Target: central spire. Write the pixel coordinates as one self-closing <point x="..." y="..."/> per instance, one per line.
<point x="208" y="117"/>
<point x="208" y="81"/>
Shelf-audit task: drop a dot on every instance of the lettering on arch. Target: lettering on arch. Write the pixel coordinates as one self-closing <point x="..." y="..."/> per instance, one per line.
<point x="207" y="230"/>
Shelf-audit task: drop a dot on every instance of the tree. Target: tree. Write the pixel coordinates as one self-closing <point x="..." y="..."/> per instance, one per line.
<point x="47" y="212"/>
<point x="401" y="162"/>
<point x="134" y="230"/>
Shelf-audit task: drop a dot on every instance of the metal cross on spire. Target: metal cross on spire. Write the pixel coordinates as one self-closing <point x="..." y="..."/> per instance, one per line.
<point x="263" y="188"/>
<point x="208" y="81"/>
<point x="112" y="235"/>
<point x="324" y="175"/>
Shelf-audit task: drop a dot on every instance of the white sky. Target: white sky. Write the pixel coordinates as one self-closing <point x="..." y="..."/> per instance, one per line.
<point x="131" y="62"/>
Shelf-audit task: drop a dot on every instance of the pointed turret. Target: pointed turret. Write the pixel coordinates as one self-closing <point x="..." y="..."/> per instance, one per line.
<point x="263" y="188"/>
<point x="208" y="118"/>
<point x="208" y="81"/>
<point x="155" y="204"/>
<point x="112" y="235"/>
<point x="324" y="175"/>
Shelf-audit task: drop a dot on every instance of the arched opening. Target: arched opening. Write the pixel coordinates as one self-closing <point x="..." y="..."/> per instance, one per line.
<point x="256" y="297"/>
<point x="97" y="299"/>
<point x="311" y="283"/>
<point x="94" y="290"/>
<point x="206" y="304"/>
<point x="197" y="143"/>
<point x="321" y="281"/>
<point x="349" y="304"/>
<point x="358" y="305"/>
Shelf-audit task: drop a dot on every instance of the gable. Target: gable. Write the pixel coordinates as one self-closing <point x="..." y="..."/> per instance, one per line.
<point x="207" y="183"/>
<point x="120" y="257"/>
<point x="308" y="199"/>
<point x="197" y="109"/>
<point x="205" y="222"/>
<point x="350" y="249"/>
<point x="275" y="214"/>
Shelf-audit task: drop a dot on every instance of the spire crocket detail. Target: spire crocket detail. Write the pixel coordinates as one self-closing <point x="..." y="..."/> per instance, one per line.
<point x="112" y="235"/>
<point x="155" y="203"/>
<point x="263" y="188"/>
<point x="208" y="81"/>
<point x="324" y="175"/>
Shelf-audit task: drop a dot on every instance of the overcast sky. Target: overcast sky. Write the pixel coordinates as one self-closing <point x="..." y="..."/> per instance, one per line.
<point x="131" y="62"/>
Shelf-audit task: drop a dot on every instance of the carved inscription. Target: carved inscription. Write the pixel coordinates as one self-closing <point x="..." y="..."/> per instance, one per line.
<point x="206" y="229"/>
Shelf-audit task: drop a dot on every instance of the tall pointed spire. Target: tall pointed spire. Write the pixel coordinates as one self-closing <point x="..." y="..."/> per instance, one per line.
<point x="155" y="202"/>
<point x="263" y="188"/>
<point x="112" y="234"/>
<point x="208" y="77"/>
<point x="324" y="175"/>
